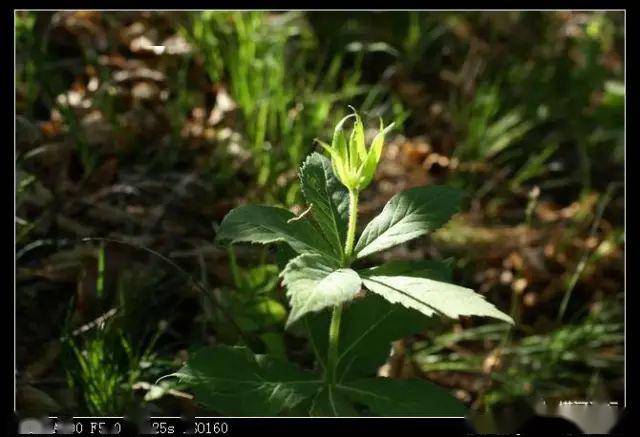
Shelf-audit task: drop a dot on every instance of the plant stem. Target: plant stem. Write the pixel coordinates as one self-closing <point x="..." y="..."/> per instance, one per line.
<point x="351" y="229"/>
<point x="334" y="329"/>
<point x="334" y="337"/>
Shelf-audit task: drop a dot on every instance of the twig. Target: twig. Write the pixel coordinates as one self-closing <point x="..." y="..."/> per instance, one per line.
<point x="302" y="214"/>
<point x="99" y="321"/>
<point x="143" y="385"/>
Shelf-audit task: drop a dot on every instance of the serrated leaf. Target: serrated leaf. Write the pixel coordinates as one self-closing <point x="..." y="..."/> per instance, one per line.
<point x="408" y="215"/>
<point x="313" y="284"/>
<point x="330" y="402"/>
<point x="234" y="381"/>
<point x="394" y="397"/>
<point x="415" y="290"/>
<point x="368" y="327"/>
<point x="329" y="197"/>
<point x="268" y="224"/>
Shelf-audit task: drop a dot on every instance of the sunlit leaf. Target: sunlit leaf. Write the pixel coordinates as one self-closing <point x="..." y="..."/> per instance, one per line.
<point x="329" y="197"/>
<point x="429" y="296"/>
<point x="370" y="162"/>
<point x="313" y="284"/>
<point x="408" y="215"/>
<point x="268" y="224"/>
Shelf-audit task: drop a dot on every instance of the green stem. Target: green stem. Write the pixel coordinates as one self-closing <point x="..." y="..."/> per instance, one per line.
<point x="233" y="264"/>
<point x="351" y="230"/>
<point x="334" y="337"/>
<point x="334" y="329"/>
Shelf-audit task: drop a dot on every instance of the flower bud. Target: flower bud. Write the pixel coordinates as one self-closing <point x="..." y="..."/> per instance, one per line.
<point x="352" y="162"/>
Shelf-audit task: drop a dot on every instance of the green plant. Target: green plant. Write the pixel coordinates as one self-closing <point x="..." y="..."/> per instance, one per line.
<point x="102" y="367"/>
<point x="489" y="129"/>
<point x="564" y="362"/>
<point x="285" y="85"/>
<point x="251" y="299"/>
<point x="105" y="358"/>
<point x="324" y="275"/>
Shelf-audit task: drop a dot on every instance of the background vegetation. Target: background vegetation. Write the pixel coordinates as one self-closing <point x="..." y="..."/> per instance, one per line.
<point x="145" y="128"/>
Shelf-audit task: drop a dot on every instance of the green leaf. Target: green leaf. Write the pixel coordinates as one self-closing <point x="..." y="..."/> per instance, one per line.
<point x="274" y="344"/>
<point x="330" y="402"/>
<point x="340" y="154"/>
<point x="414" y="289"/>
<point x="337" y="163"/>
<point x="370" y="162"/>
<point x="395" y="397"/>
<point x="284" y="254"/>
<point x="261" y="313"/>
<point x="258" y="280"/>
<point x="339" y="141"/>
<point x="357" y="148"/>
<point x="313" y="284"/>
<point x="369" y="325"/>
<point x="268" y="224"/>
<point x="329" y="197"/>
<point x="234" y="381"/>
<point x="408" y="215"/>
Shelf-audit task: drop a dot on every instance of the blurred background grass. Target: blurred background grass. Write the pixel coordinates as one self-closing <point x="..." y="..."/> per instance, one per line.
<point x="147" y="128"/>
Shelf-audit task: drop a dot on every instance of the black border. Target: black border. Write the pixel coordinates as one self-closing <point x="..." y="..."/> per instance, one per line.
<point x="296" y="425"/>
<point x="379" y="5"/>
<point x="631" y="219"/>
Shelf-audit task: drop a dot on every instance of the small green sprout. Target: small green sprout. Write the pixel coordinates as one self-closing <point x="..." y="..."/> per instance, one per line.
<point x="352" y="162"/>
